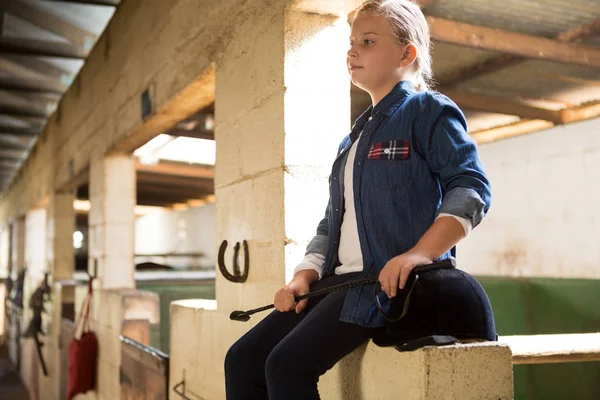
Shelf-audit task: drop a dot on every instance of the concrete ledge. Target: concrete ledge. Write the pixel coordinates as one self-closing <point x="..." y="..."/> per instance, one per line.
<point x="459" y="372"/>
<point x="201" y="335"/>
<point x="544" y="349"/>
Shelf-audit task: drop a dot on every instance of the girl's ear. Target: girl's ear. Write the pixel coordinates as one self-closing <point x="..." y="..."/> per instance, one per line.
<point x="409" y="56"/>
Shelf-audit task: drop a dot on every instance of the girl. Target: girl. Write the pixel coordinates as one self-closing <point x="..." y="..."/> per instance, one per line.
<point x="406" y="186"/>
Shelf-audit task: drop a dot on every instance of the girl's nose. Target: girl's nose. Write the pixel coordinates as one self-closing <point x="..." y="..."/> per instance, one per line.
<point x="351" y="52"/>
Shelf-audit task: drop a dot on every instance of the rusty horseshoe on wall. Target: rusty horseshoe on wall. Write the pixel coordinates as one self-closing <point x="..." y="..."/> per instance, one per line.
<point x="238" y="276"/>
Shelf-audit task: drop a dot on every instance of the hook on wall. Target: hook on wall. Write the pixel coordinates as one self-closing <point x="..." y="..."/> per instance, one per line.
<point x="179" y="389"/>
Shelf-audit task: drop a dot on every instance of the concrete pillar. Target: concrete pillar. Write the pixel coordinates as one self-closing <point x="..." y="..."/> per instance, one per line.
<point x="35" y="249"/>
<point x="4" y="273"/>
<point x="61" y="225"/>
<point x="16" y="261"/>
<point x="282" y="106"/>
<point x="36" y="264"/>
<point x="18" y="245"/>
<point x="111" y="220"/>
<point x="280" y="115"/>
<point x="4" y="251"/>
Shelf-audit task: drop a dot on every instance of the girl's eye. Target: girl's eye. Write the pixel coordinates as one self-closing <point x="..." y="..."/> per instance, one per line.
<point x="367" y="41"/>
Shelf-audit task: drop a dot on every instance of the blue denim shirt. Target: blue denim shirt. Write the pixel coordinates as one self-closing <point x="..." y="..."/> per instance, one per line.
<point x="414" y="161"/>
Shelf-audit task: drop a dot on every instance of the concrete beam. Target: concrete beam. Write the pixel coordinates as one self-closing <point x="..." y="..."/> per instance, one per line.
<point x="196" y="96"/>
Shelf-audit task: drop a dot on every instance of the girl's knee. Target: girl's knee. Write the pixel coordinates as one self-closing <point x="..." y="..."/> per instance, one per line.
<point x="237" y="355"/>
<point x="278" y="362"/>
<point x="286" y="360"/>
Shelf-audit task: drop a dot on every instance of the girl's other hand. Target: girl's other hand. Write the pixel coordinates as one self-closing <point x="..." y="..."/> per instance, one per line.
<point x="396" y="271"/>
<point x="284" y="298"/>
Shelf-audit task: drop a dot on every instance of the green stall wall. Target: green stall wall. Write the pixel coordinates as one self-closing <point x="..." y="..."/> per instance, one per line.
<point x="535" y="306"/>
<point x="169" y="292"/>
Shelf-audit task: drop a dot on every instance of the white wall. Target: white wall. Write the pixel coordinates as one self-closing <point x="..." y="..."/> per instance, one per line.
<point x="189" y="231"/>
<point x="545" y="214"/>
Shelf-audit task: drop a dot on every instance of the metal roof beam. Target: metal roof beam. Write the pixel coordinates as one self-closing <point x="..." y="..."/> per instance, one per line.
<point x="76" y="35"/>
<point x="33" y="86"/>
<point x="503" y="61"/>
<point x="37" y="98"/>
<point x="177" y="169"/>
<point x="144" y="178"/>
<point x="31" y="122"/>
<point x="492" y="104"/>
<point x="11" y="102"/>
<point x="193" y="133"/>
<point x="16" y="111"/>
<point x="110" y="3"/>
<point x="19" y="142"/>
<point x="36" y="64"/>
<point x="40" y="48"/>
<point x="8" y="163"/>
<point x="502" y="106"/>
<point x="12" y="154"/>
<point x="13" y="147"/>
<point x="517" y="44"/>
<point x="11" y="130"/>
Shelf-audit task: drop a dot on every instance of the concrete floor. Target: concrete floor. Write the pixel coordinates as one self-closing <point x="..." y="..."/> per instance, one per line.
<point x="11" y="387"/>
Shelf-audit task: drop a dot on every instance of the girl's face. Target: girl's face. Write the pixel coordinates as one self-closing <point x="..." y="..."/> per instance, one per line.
<point x="376" y="61"/>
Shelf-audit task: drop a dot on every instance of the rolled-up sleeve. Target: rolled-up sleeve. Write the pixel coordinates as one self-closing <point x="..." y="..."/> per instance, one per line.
<point x="320" y="241"/>
<point x="452" y="154"/>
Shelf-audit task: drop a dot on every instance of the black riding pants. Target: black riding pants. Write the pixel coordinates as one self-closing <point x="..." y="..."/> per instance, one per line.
<point x="283" y="356"/>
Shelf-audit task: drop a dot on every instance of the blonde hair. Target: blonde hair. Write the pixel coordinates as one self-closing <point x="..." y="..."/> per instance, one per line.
<point x="409" y="26"/>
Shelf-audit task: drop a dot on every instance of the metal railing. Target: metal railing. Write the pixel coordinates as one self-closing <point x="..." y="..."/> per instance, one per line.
<point x="144" y="371"/>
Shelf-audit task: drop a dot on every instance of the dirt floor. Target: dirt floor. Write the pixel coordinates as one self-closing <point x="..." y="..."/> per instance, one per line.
<point x="11" y="387"/>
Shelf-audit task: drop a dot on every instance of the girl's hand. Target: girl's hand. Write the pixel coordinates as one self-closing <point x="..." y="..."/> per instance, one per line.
<point x="395" y="272"/>
<point x="284" y="298"/>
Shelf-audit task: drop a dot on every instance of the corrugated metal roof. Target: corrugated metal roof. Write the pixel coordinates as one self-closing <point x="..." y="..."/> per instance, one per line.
<point x="33" y="73"/>
<point x="19" y="28"/>
<point x="478" y="120"/>
<point x="545" y="18"/>
<point x="449" y="57"/>
<point x="538" y="83"/>
<point x="92" y="18"/>
<point x="570" y="85"/>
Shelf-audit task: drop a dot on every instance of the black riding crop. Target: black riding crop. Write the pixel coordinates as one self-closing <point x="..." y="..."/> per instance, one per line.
<point x="244" y="316"/>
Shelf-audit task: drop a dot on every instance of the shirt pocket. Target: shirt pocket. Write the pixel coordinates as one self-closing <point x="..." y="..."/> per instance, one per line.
<point x="390" y="164"/>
